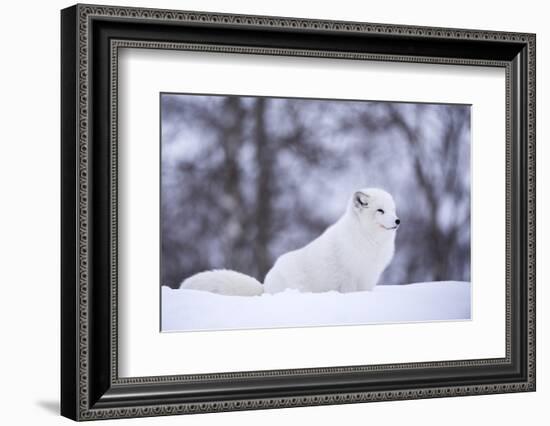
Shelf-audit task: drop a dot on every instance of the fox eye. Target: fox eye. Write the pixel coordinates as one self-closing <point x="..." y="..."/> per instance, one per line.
<point x="380" y="210"/>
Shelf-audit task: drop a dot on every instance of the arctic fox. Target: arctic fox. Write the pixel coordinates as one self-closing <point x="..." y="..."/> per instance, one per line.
<point x="349" y="255"/>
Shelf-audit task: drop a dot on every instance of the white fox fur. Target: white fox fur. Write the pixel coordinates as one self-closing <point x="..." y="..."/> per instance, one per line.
<point x="349" y="256"/>
<point x="224" y="281"/>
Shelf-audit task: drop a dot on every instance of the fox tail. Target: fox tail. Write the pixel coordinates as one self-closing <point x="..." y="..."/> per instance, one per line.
<point x="224" y="281"/>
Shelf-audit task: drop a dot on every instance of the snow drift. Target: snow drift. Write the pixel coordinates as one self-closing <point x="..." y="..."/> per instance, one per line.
<point x="192" y="310"/>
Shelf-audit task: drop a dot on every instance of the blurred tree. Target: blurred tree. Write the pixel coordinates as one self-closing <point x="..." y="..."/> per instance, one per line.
<point x="443" y="181"/>
<point x="247" y="179"/>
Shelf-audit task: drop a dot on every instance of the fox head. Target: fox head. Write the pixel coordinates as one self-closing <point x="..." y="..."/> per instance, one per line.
<point x="374" y="209"/>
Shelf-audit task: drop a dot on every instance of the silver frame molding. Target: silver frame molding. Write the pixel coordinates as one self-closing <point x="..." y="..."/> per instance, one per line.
<point x="91" y="388"/>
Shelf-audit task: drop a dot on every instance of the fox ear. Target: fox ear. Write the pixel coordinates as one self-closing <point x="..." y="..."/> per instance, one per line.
<point x="360" y="200"/>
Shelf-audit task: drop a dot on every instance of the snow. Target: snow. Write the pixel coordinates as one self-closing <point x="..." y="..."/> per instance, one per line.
<point x="194" y="310"/>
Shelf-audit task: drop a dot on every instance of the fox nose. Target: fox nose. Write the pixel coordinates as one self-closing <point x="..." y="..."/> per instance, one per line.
<point x="397" y="221"/>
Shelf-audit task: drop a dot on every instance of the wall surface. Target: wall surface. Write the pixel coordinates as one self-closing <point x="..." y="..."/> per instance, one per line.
<point x="29" y="213"/>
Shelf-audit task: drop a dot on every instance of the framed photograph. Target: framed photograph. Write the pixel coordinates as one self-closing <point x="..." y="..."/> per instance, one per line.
<point x="264" y="196"/>
<point x="263" y="212"/>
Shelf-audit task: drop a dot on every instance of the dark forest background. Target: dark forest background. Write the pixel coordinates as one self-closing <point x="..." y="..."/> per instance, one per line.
<point x="246" y="179"/>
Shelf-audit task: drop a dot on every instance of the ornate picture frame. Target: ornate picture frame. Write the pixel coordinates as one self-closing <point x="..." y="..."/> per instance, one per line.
<point x="91" y="37"/>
